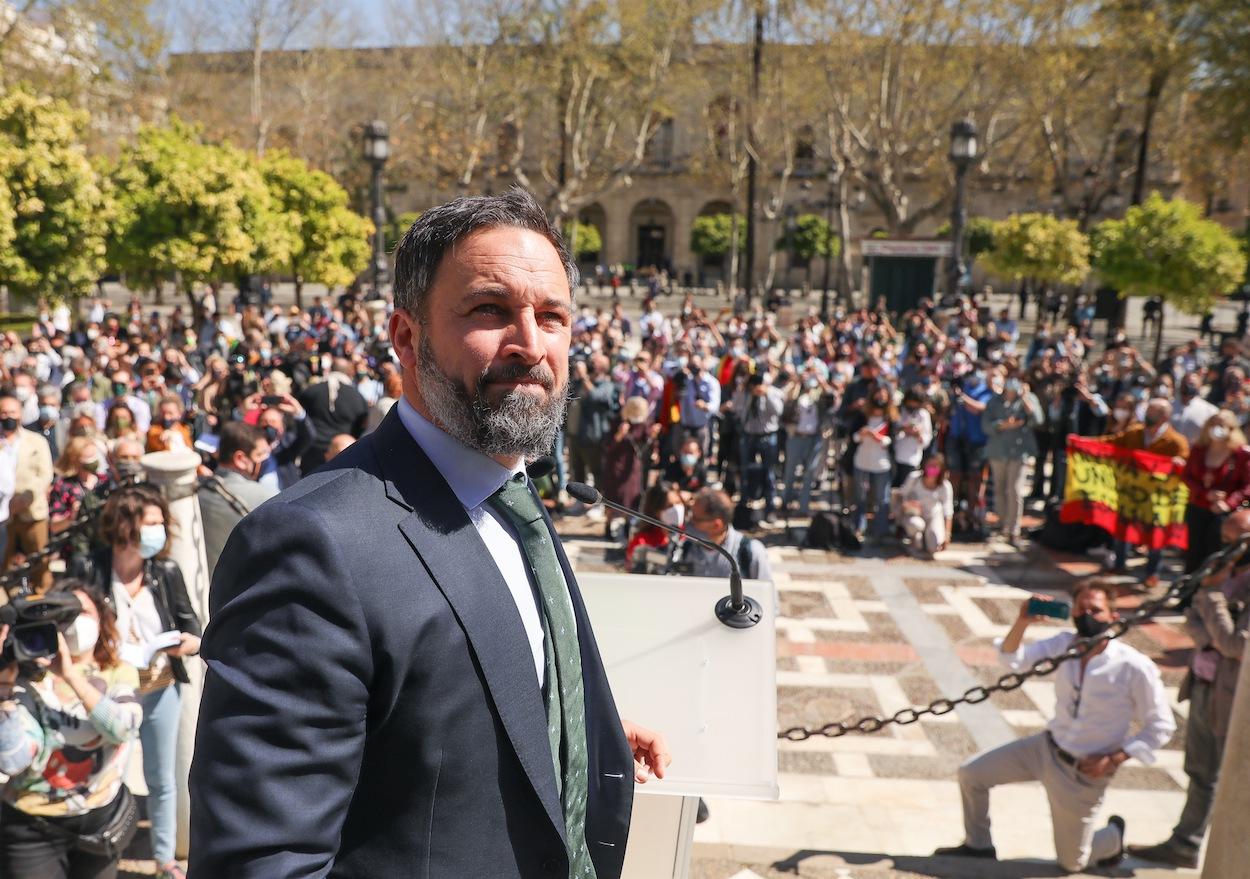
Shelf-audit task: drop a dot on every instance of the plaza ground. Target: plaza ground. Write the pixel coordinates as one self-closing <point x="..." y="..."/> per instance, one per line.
<point x="879" y="631"/>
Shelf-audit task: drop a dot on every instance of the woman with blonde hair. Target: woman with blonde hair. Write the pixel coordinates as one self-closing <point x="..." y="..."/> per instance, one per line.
<point x="80" y="471"/>
<point x="1217" y="473"/>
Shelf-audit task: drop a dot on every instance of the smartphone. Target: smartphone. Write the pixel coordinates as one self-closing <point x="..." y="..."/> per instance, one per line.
<point x="1041" y="607"/>
<point x="271" y="400"/>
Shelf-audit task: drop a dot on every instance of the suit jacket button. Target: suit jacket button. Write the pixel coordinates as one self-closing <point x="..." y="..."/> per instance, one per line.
<point x="551" y="865"/>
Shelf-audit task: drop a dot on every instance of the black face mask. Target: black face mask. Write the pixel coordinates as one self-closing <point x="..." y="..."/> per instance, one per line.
<point x="8" y="425"/>
<point x="1089" y="627"/>
<point x="271" y="434"/>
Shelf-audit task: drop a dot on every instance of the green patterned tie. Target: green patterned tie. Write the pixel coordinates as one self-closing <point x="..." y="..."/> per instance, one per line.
<point x="565" y="698"/>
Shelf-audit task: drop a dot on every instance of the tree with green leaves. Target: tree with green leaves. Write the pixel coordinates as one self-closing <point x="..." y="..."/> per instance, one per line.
<point x="398" y="227"/>
<point x="53" y="211"/>
<point x="812" y="237"/>
<point x="193" y="212"/>
<point x="583" y="238"/>
<point x="1165" y="248"/>
<point x="978" y="235"/>
<point x="713" y="234"/>
<point x="1038" y="247"/>
<point x="331" y="241"/>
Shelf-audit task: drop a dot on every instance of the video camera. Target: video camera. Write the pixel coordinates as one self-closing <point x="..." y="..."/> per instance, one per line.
<point x="34" y="622"/>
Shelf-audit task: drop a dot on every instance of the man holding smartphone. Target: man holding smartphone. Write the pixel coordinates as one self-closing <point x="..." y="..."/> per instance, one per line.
<point x="1099" y="699"/>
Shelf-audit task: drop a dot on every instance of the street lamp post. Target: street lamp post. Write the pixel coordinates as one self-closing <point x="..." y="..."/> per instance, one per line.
<point x="832" y="179"/>
<point x="963" y="154"/>
<point x="377" y="149"/>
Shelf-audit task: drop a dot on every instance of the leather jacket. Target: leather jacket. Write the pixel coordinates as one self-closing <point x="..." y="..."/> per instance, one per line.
<point x="164" y="578"/>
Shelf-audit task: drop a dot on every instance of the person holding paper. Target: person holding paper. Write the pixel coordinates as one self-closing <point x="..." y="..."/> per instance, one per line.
<point x="157" y="627"/>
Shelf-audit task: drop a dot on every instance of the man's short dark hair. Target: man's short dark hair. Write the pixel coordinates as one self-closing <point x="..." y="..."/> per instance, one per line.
<point x="237" y="436"/>
<point x="419" y="252"/>
<point x="716" y="503"/>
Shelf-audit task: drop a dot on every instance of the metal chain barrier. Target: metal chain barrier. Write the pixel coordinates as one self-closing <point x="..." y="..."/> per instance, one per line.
<point x="1178" y="594"/>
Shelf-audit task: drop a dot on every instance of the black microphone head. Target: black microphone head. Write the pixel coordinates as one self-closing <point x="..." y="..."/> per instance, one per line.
<point x="583" y="492"/>
<point x="540" y="467"/>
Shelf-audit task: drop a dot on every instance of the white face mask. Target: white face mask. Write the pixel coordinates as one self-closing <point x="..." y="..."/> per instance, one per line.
<point x="674" y="516"/>
<point x="1219" y="432"/>
<point x="1121" y="414"/>
<point x="82" y="635"/>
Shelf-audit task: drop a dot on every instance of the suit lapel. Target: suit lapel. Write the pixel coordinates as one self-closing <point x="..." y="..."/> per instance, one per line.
<point x="443" y="537"/>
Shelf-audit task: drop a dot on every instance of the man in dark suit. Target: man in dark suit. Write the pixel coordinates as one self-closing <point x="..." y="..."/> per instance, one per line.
<point x="402" y="679"/>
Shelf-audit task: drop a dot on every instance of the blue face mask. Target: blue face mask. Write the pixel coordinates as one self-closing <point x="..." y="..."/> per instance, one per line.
<point x="690" y="460"/>
<point x="151" y="540"/>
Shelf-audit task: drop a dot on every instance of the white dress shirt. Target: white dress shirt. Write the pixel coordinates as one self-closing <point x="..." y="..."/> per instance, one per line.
<point x="473" y="478"/>
<point x="1121" y="690"/>
<point x="8" y="474"/>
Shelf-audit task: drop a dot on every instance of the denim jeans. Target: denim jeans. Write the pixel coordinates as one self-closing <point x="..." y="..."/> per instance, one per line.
<point x="1123" y="552"/>
<point x="873" y="491"/>
<point x="801" y="451"/>
<point x="758" y="464"/>
<point x="159" y="735"/>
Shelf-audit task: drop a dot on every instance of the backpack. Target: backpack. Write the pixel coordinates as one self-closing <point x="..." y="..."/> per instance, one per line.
<point x="831" y="531"/>
<point x="745" y="518"/>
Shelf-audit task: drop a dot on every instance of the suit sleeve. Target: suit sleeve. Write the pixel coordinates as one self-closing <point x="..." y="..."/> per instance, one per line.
<point x="282" y="721"/>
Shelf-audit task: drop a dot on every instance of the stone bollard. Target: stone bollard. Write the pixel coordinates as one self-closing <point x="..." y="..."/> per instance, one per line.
<point x="174" y="472"/>
<point x="1228" y="847"/>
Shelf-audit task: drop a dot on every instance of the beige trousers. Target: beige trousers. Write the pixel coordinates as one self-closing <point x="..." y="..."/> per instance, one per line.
<point x="1074" y="799"/>
<point x="1009" y="491"/>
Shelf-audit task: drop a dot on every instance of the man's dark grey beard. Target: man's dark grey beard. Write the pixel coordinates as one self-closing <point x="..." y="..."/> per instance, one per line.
<point x="521" y="424"/>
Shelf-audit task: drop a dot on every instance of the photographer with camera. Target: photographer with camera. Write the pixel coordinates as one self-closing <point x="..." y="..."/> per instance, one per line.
<point x="68" y="721"/>
<point x="153" y="611"/>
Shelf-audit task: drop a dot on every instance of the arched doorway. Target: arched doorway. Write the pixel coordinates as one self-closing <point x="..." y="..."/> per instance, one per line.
<point x="651" y="223"/>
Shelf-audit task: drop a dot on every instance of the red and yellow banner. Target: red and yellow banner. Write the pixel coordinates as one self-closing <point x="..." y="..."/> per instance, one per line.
<point x="1136" y="496"/>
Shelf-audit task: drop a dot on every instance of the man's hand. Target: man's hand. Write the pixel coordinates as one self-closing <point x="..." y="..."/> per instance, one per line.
<point x="291" y="406"/>
<point x="651" y="755"/>
<point x="1102" y="765"/>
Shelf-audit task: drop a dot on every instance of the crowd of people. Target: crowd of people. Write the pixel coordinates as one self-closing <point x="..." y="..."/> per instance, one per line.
<point x="941" y="424"/>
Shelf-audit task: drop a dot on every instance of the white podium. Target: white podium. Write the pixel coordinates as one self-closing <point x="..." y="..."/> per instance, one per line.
<point x="710" y="689"/>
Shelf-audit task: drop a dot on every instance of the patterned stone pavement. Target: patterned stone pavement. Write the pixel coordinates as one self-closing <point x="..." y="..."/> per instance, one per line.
<point x="872" y="634"/>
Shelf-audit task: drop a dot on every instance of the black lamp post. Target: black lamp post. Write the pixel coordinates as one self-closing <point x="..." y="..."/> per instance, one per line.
<point x="963" y="154"/>
<point x="832" y="179"/>
<point x="1089" y="183"/>
<point x="377" y="149"/>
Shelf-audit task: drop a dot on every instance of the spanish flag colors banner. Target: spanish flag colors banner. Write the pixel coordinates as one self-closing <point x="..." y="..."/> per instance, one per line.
<point x="1136" y="496"/>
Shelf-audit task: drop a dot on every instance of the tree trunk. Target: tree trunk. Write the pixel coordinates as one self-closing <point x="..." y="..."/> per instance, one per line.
<point x="299" y="292"/>
<point x="1154" y="90"/>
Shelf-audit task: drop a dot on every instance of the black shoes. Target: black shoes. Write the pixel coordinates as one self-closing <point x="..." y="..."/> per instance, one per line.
<point x="1114" y="821"/>
<point x="963" y="850"/>
<point x="1165" y="853"/>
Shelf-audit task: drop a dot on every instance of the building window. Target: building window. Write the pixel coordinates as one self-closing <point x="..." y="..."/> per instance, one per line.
<point x="659" y="149"/>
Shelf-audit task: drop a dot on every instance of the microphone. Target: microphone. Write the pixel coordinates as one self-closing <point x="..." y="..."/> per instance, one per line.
<point x="736" y="610"/>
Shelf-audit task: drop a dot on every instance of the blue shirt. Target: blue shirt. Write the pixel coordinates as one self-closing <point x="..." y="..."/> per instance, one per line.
<point x="967" y="425"/>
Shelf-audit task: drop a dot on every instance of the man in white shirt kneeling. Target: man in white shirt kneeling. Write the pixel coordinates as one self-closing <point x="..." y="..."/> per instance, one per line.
<point x="1099" y="700"/>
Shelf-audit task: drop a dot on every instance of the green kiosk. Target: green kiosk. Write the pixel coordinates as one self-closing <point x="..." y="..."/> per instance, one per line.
<point x="903" y="270"/>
